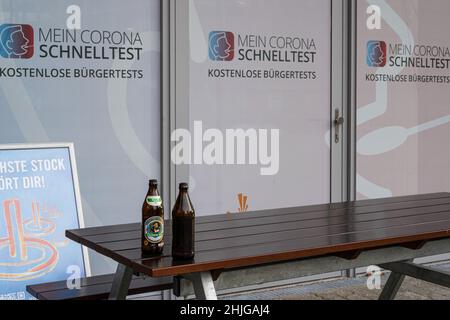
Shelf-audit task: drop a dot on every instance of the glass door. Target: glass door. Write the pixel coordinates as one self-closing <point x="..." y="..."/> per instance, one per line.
<point x="256" y="104"/>
<point x="258" y="90"/>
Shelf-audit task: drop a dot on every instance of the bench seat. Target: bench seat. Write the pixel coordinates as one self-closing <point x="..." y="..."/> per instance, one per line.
<point x="96" y="288"/>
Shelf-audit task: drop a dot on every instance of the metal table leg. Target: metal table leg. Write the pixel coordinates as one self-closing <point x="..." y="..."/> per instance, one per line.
<point x="121" y="283"/>
<point x="423" y="273"/>
<point x="203" y="285"/>
<point x="392" y="286"/>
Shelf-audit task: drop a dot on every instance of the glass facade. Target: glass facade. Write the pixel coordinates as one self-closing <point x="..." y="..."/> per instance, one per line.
<point x="402" y="99"/>
<point x="260" y="75"/>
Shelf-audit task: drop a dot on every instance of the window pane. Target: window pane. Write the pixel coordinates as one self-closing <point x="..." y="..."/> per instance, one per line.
<point x="292" y="40"/>
<point x="403" y="99"/>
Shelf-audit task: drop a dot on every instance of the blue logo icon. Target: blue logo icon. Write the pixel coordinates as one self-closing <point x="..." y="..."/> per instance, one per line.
<point x="376" y="54"/>
<point x="16" y="41"/>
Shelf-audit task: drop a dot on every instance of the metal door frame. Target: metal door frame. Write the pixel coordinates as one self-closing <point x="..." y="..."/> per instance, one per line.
<point x="175" y="80"/>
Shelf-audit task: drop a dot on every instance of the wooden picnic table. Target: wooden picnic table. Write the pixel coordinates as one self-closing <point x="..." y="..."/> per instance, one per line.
<point x="234" y="250"/>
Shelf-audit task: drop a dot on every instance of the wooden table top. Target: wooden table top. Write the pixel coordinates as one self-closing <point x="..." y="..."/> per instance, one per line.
<point x="271" y="236"/>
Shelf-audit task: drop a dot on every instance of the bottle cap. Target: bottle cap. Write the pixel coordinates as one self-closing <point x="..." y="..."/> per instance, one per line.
<point x="153" y="183"/>
<point x="184" y="186"/>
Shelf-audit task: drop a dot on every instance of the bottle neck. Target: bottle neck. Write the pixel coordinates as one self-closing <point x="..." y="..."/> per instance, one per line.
<point x="184" y="202"/>
<point x="153" y="191"/>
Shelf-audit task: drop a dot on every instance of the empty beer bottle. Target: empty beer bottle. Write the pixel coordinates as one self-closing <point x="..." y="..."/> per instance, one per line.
<point x="152" y="221"/>
<point x="183" y="226"/>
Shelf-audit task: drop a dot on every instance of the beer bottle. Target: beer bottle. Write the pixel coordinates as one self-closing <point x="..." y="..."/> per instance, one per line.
<point x="152" y="221"/>
<point x="183" y="226"/>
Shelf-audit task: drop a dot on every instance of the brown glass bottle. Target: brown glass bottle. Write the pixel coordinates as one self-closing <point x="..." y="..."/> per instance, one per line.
<point x="183" y="226"/>
<point x="152" y="221"/>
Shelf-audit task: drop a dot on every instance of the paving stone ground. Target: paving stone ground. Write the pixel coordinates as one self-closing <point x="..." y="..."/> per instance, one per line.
<point x="411" y="290"/>
<point x="350" y="289"/>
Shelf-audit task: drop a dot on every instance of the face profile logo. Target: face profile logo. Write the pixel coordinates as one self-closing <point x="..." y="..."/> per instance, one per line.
<point x="16" y="41"/>
<point x="221" y="46"/>
<point x="376" y="54"/>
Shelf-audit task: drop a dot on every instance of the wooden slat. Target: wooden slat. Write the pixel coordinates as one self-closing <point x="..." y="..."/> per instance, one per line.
<point x="94" y="288"/>
<point x="353" y="214"/>
<point x="405" y="216"/>
<point x="105" y="230"/>
<point x="325" y="207"/>
<point x="293" y="236"/>
<point x="319" y="226"/>
<point x="264" y="213"/>
<point x="285" y="245"/>
<point x="286" y="251"/>
<point x="276" y="218"/>
<point x="61" y="285"/>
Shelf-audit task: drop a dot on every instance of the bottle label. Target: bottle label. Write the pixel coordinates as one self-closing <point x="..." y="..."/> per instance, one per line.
<point x="154" y="229"/>
<point x="154" y="201"/>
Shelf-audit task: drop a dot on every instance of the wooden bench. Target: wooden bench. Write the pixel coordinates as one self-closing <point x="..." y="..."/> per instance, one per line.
<point x="97" y="288"/>
<point x="239" y="250"/>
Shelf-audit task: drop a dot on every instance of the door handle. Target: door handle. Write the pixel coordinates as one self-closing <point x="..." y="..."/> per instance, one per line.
<point x="338" y="122"/>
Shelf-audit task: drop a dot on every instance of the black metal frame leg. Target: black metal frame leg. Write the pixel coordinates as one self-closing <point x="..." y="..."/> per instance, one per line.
<point x="392" y="286"/>
<point x="121" y="283"/>
<point x="440" y="278"/>
<point x="203" y="283"/>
